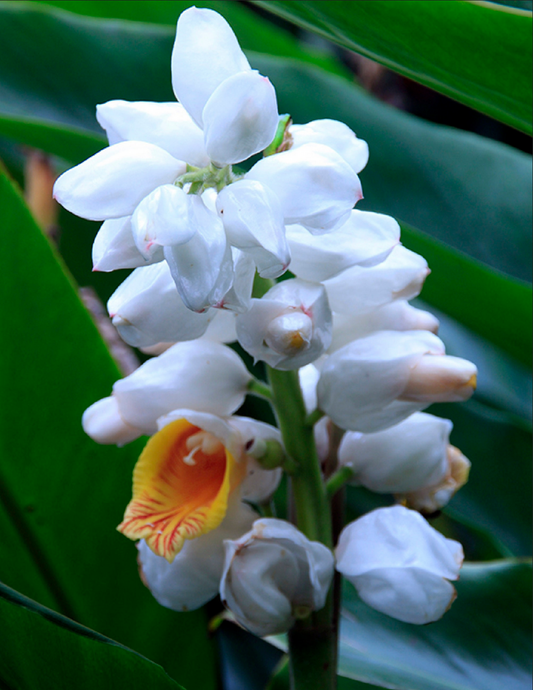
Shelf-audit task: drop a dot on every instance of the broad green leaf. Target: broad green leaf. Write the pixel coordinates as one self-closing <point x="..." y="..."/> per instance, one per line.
<point x="61" y="495"/>
<point x="252" y="31"/>
<point x="41" y="649"/>
<point x="482" y="643"/>
<point x="477" y="53"/>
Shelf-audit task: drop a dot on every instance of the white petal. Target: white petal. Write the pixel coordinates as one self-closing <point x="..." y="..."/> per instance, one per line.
<point x="161" y="220"/>
<point x="115" y="248"/>
<point x="337" y="136"/>
<point x="111" y="183"/>
<point x="167" y="125"/>
<point x="146" y="309"/>
<point x="238" y="298"/>
<point x="271" y="572"/>
<point x="199" y="375"/>
<point x="308" y="377"/>
<point x="365" y="239"/>
<point x="441" y="379"/>
<point x="253" y="222"/>
<point x="222" y="329"/>
<point x="315" y="186"/>
<point x="399" y="564"/>
<point x="359" y="290"/>
<point x="202" y="268"/>
<point x="240" y="118"/>
<point x="290" y="326"/>
<point x="193" y="578"/>
<point x="360" y="382"/>
<point x="205" y="53"/>
<point x="396" y="316"/>
<point x="404" y="458"/>
<point x="104" y="424"/>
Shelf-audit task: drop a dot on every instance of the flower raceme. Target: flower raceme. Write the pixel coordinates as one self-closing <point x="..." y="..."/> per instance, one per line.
<point x="197" y="230"/>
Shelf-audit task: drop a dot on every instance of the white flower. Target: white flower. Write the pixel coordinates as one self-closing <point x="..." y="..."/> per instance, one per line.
<point x="377" y="381"/>
<point x="396" y="316"/>
<point x="273" y="575"/>
<point x="364" y="239"/>
<point x="399" y="564"/>
<point x="360" y="289"/>
<point x="193" y="577"/>
<point x="407" y="457"/>
<point x="289" y="326"/>
<point x="334" y="134"/>
<point x="315" y="186"/>
<point x="199" y="375"/>
<point x="234" y="105"/>
<point x="188" y="473"/>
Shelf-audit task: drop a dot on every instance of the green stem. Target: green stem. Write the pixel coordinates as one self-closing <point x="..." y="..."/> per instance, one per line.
<point x="313" y="641"/>
<point x="257" y="387"/>
<point x="338" y="480"/>
<point x="314" y="417"/>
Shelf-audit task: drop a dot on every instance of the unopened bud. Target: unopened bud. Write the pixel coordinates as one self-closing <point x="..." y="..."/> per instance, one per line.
<point x="289" y="333"/>
<point x="440" y="379"/>
<point x="103" y="423"/>
<point x="430" y="499"/>
<point x="273" y="575"/>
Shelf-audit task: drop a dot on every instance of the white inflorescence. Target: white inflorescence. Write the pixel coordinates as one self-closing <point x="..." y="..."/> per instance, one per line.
<point x="197" y="230"/>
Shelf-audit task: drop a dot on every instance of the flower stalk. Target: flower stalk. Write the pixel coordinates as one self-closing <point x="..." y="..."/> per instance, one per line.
<point x="313" y="640"/>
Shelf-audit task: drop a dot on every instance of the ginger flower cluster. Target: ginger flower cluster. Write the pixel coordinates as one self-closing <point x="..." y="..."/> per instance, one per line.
<point x="197" y="224"/>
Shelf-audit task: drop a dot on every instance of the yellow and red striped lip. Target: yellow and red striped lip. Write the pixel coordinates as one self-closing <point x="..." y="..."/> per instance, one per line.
<point x="181" y="485"/>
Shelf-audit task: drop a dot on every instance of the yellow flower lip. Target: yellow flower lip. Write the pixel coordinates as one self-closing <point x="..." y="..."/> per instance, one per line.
<point x="181" y="485"/>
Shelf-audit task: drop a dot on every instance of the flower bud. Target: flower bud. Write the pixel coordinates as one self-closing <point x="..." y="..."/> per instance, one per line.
<point x="359" y="290"/>
<point x="371" y="384"/>
<point x="290" y="326"/>
<point x="200" y="375"/>
<point x="441" y="379"/>
<point x="103" y="423"/>
<point x="315" y="186"/>
<point x="396" y="316"/>
<point x="146" y="309"/>
<point x="114" y="247"/>
<point x="399" y="564"/>
<point x="364" y="239"/>
<point x="162" y="219"/>
<point x="273" y="575"/>
<point x="404" y="458"/>
<point x="430" y="499"/>
<point x="337" y="136"/>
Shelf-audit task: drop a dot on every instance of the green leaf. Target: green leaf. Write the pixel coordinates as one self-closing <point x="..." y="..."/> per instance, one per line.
<point x="476" y="53"/>
<point x="34" y="638"/>
<point x="482" y="643"/>
<point x="252" y="31"/>
<point x="61" y="495"/>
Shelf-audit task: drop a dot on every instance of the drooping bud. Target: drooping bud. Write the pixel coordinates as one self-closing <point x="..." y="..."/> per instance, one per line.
<point x="103" y="422"/>
<point x="399" y="564"/>
<point x="146" y="309"/>
<point x="407" y="457"/>
<point x="365" y="239"/>
<point x="273" y="575"/>
<point x="432" y="498"/>
<point x="290" y="326"/>
<point x="369" y="385"/>
<point x="360" y="290"/>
